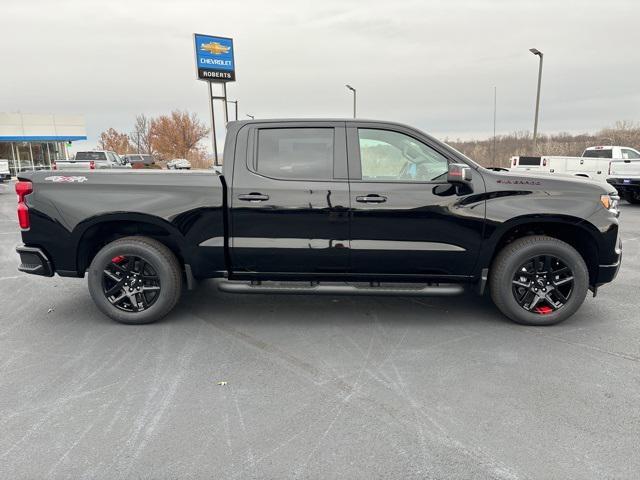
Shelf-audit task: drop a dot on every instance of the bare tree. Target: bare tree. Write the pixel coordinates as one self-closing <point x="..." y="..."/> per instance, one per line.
<point x="141" y="135"/>
<point x="116" y="141"/>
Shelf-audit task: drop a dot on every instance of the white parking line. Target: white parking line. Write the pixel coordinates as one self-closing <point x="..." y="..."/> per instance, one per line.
<point x="10" y="278"/>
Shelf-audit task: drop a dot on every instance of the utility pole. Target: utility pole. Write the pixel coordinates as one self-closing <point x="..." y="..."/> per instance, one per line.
<point x="235" y="102"/>
<point x="354" y="98"/>
<point x="537" y="52"/>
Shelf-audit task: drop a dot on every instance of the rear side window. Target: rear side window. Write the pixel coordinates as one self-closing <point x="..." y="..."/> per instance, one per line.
<point x="529" y="161"/>
<point x="91" y="156"/>
<point x="598" y="153"/>
<point x="629" y="154"/>
<point x="296" y="153"/>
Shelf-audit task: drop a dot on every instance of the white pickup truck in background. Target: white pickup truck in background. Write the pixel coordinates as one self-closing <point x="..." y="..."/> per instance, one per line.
<point x="624" y="175"/>
<point x="92" y="160"/>
<point x="5" y="174"/>
<point x="594" y="162"/>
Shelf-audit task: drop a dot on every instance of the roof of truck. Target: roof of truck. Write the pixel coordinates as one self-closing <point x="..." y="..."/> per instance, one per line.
<point x="348" y="120"/>
<point x="605" y="147"/>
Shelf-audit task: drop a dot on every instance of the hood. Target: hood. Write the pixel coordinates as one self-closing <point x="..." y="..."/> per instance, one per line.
<point x="544" y="181"/>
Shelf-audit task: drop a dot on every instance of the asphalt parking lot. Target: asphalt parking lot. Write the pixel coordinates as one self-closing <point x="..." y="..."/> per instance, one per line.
<point x="316" y="387"/>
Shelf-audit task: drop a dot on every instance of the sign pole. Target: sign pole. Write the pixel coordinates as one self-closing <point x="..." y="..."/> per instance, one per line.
<point x="215" y="64"/>
<point x="226" y="105"/>
<point x="213" y="127"/>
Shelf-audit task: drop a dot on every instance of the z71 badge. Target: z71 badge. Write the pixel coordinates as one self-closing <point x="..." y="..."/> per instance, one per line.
<point x="65" y="179"/>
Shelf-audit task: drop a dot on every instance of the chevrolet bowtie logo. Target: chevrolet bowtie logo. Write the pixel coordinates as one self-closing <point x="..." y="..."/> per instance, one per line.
<point x="215" y="48"/>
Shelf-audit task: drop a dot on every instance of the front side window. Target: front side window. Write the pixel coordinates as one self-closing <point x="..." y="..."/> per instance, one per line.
<point x="296" y="153"/>
<point x="389" y="156"/>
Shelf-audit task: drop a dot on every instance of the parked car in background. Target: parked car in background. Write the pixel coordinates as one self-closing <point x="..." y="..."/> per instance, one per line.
<point x="179" y="164"/>
<point x="92" y="160"/>
<point x="5" y="174"/>
<point x="318" y="207"/>
<point x="141" y="160"/>
<point x="594" y="162"/>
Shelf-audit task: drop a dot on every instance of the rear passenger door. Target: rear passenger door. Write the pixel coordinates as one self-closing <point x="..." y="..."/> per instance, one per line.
<point x="290" y="199"/>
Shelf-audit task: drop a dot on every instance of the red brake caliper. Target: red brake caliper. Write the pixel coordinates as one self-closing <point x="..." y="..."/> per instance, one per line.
<point x="544" y="310"/>
<point x="117" y="259"/>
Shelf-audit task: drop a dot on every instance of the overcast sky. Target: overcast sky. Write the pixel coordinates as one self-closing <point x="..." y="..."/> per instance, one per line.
<point x="432" y="64"/>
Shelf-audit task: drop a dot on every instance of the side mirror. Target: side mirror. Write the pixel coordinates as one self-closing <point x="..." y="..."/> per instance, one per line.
<point x="459" y="174"/>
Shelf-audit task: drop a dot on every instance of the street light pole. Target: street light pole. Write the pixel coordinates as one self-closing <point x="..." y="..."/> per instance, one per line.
<point x="354" y="98"/>
<point x="537" y="52"/>
<point x="495" y="100"/>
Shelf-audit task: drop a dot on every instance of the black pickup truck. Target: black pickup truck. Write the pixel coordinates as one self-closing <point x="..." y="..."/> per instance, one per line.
<point x="324" y="206"/>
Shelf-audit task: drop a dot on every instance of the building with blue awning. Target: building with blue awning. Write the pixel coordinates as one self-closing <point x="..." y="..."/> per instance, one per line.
<point x="37" y="141"/>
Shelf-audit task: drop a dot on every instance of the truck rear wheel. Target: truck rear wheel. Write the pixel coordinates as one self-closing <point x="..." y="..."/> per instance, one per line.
<point x="539" y="280"/>
<point x="135" y="280"/>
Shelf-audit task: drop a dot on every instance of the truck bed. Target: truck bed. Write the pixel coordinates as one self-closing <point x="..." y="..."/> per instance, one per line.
<point x="186" y="206"/>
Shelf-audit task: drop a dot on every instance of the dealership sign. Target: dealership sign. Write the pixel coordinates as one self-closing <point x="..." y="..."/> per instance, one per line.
<point x="214" y="58"/>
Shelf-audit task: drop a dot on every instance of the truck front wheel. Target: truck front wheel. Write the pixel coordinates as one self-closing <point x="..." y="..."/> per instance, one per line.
<point x="135" y="280"/>
<point x="538" y="280"/>
<point x="632" y="197"/>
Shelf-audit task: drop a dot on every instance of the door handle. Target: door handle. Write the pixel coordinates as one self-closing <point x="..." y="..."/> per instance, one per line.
<point x="253" y="197"/>
<point x="371" y="198"/>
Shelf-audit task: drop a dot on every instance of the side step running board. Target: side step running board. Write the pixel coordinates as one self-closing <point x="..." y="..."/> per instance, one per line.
<point x="307" y="288"/>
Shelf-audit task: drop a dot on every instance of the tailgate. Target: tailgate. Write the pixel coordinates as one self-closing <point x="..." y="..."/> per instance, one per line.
<point x="625" y="168"/>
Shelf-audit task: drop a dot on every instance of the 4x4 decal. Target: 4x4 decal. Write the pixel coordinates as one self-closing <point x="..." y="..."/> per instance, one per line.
<point x="66" y="179"/>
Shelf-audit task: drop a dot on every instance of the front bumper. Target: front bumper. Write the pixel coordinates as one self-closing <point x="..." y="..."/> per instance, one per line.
<point x="607" y="273"/>
<point x="34" y="261"/>
<point x="623" y="185"/>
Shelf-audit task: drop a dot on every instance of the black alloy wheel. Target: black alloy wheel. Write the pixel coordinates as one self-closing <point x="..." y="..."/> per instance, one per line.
<point x="542" y="284"/>
<point x="130" y="283"/>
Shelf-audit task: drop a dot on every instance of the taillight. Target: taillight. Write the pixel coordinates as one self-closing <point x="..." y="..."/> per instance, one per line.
<point x="514" y="161"/>
<point x="544" y="162"/>
<point x="54" y="166"/>
<point x="92" y="165"/>
<point x="23" y="189"/>
<point x="609" y="168"/>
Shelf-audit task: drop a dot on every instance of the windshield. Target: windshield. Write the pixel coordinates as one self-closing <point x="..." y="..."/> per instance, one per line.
<point x="91" y="156"/>
<point x="598" y="153"/>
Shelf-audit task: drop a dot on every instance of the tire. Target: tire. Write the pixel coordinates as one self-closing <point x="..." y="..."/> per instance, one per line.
<point x="632" y="197"/>
<point x="152" y="270"/>
<point x="533" y="251"/>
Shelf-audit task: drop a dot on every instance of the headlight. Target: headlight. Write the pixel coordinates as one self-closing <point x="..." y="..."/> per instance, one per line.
<point x="610" y="202"/>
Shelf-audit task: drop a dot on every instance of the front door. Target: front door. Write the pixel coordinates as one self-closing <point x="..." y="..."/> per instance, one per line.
<point x="406" y="219"/>
<point x="290" y="200"/>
